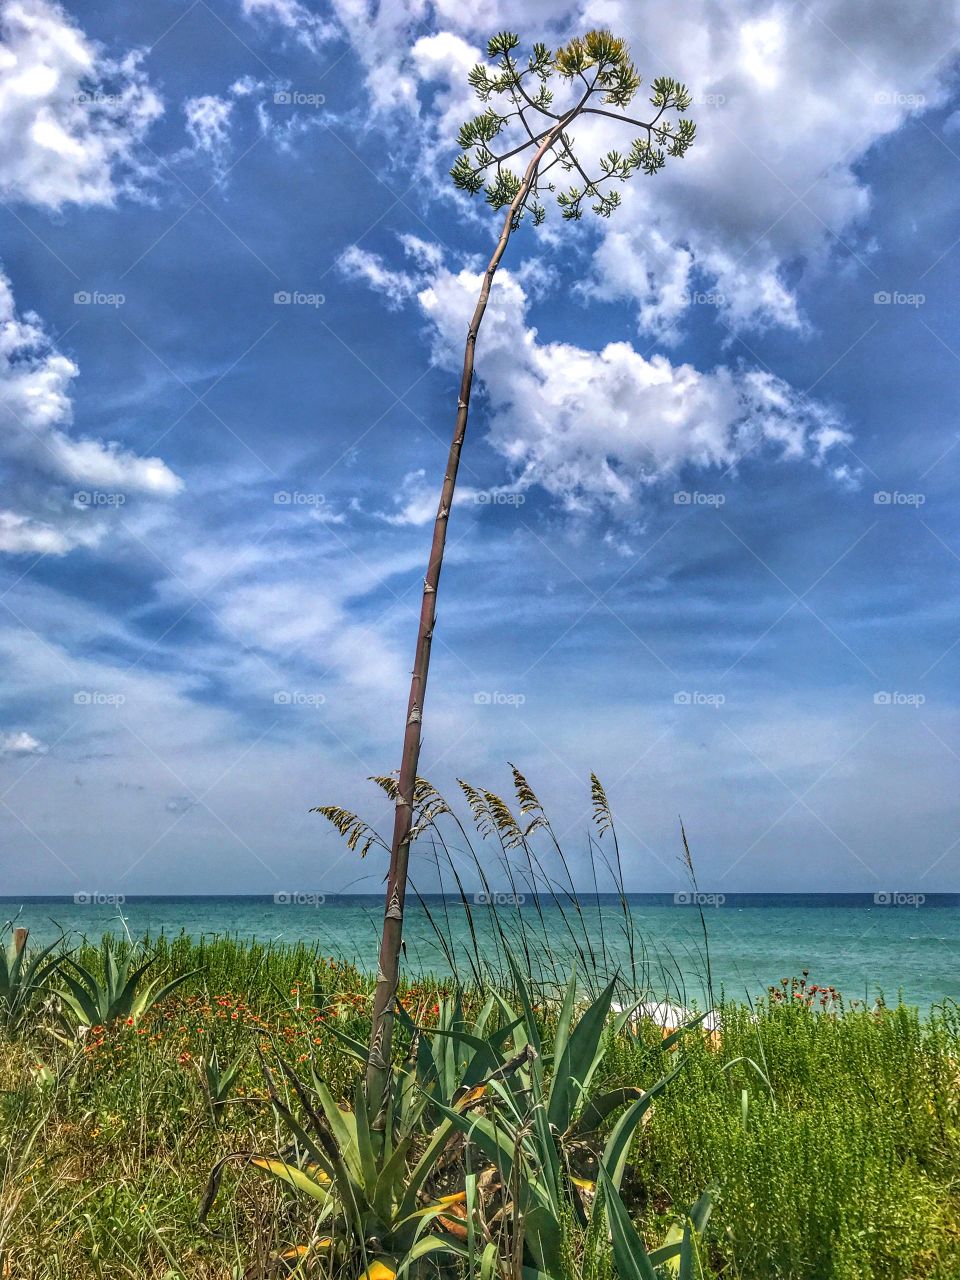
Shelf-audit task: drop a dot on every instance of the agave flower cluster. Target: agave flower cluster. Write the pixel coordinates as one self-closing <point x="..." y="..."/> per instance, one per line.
<point x="599" y="79"/>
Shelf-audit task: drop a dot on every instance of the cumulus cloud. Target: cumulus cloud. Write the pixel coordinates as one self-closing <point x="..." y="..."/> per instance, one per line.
<point x="788" y="101"/>
<point x="56" y="479"/>
<point x="773" y="176"/>
<point x="21" y="744"/>
<point x="595" y="428"/>
<point x="71" y="119"/>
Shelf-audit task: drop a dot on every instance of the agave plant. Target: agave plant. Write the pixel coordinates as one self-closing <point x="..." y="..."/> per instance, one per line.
<point x="478" y="1151"/>
<point x="23" y="975"/>
<point x="217" y="1081"/>
<point x="121" y="993"/>
<point x="374" y="1175"/>
<point x="533" y="1127"/>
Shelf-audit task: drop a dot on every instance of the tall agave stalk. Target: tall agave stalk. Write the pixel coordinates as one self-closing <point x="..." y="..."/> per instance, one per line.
<point x="600" y="80"/>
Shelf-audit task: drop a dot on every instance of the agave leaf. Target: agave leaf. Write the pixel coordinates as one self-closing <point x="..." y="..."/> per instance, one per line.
<point x="343" y="1125"/>
<point x="575" y="1066"/>
<point x="323" y="1148"/>
<point x="379" y="1269"/>
<point x="566" y="1016"/>
<point x="511" y="1015"/>
<point x="599" y="1107"/>
<point x="82" y="1001"/>
<point x="494" y="1142"/>
<point x="353" y="1047"/>
<point x="424" y="1166"/>
<point x="484" y="1062"/>
<point x="630" y="1256"/>
<point x="227" y="1077"/>
<point x="122" y="987"/>
<point x="110" y="974"/>
<point x="681" y="1252"/>
<point x="148" y="998"/>
<point x="488" y="1263"/>
<point x="530" y="1022"/>
<point x="361" y="1121"/>
<point x="21" y="979"/>
<point x="393" y="1174"/>
<point x="295" y="1177"/>
<point x="433" y="1210"/>
<point x="543" y="1236"/>
<point x="428" y="1244"/>
<point x="483" y="1017"/>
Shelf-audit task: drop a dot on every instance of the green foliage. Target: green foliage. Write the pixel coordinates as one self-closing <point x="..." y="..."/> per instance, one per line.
<point x="534" y="1120"/>
<point x="117" y="991"/>
<point x="828" y="1136"/>
<point x="842" y="1166"/>
<point x="23" y="977"/>
<point x="599" y="79"/>
<point x="368" y="1173"/>
<point x="219" y="1081"/>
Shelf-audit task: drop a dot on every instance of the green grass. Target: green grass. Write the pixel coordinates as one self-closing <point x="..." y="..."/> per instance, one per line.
<point x="834" y="1151"/>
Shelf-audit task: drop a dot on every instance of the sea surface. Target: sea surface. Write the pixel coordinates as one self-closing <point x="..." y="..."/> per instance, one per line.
<point x="863" y="944"/>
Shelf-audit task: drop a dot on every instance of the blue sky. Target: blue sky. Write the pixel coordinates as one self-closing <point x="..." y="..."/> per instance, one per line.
<point x="707" y="544"/>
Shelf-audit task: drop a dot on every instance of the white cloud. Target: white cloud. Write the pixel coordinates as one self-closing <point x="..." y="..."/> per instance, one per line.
<point x="396" y="287"/>
<point x="57" y="478"/>
<point x="71" y="119"/>
<point x="772" y="177"/>
<point x="788" y="101"/>
<point x="416" y="503"/>
<point x="594" y="428"/>
<point x="21" y="744"/>
<point x="210" y="121"/>
<point x="309" y="28"/>
<point x="208" y="124"/>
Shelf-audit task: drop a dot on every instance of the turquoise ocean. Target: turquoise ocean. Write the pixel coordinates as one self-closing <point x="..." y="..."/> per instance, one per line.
<point x="863" y="944"/>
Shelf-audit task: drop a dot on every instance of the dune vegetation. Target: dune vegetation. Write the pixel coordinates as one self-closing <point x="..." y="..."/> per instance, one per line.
<point x="800" y="1138"/>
